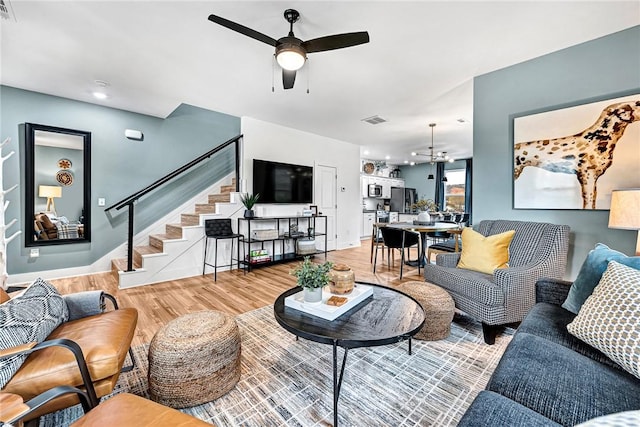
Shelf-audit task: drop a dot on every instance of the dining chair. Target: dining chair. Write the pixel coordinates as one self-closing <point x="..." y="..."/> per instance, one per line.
<point x="376" y="239"/>
<point x="394" y="238"/>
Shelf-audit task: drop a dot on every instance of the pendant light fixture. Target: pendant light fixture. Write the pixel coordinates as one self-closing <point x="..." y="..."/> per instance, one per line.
<point x="431" y="125"/>
<point x="434" y="157"/>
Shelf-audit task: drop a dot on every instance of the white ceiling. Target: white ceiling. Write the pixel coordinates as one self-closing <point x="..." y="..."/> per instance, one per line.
<point x="417" y="69"/>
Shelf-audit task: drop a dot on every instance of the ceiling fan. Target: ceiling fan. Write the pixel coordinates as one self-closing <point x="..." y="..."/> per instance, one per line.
<point x="291" y="52"/>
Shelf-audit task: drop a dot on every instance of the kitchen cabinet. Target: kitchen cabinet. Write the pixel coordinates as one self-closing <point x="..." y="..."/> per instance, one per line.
<point x="365" y="186"/>
<point x="385" y="182"/>
<point x="368" y="219"/>
<point x="395" y="182"/>
<point x="386" y="188"/>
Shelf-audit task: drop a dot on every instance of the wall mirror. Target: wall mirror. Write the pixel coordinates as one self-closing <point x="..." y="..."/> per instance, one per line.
<point x="57" y="185"/>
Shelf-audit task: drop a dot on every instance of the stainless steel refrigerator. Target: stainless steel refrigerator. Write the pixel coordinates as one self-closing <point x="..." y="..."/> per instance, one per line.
<point x="402" y="199"/>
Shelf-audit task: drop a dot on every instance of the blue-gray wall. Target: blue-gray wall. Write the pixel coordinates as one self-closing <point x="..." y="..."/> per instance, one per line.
<point x="416" y="177"/>
<point x="598" y="69"/>
<point x="119" y="166"/>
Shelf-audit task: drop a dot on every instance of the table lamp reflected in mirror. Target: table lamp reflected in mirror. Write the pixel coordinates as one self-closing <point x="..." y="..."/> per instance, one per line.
<point x="50" y="192"/>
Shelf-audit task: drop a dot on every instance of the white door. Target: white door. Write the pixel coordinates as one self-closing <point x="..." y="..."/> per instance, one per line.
<point x="325" y="196"/>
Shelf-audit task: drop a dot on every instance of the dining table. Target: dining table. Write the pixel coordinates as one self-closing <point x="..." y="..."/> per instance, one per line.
<point x="427" y="227"/>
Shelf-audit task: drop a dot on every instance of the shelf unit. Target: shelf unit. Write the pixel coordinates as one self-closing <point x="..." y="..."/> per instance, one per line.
<point x="249" y="243"/>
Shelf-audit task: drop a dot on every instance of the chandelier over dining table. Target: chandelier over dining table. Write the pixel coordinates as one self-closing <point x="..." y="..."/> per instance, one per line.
<point x="440" y="156"/>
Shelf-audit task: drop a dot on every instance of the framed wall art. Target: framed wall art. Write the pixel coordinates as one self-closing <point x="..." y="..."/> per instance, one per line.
<point x="572" y="158"/>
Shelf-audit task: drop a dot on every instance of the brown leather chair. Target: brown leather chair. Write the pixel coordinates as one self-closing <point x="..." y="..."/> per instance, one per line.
<point x="44" y="228"/>
<point x="87" y="353"/>
<point x="122" y="410"/>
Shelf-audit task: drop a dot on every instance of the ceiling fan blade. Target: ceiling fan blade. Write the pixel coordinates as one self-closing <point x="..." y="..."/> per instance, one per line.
<point x="243" y="30"/>
<point x="336" y="41"/>
<point x="288" y="78"/>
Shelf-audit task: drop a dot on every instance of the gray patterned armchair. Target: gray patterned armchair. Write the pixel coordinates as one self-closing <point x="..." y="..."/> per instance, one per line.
<point x="504" y="297"/>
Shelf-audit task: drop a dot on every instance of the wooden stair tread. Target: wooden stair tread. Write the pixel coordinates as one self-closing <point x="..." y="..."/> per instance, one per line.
<point x="219" y="198"/>
<point x="205" y="208"/>
<point x="147" y="249"/>
<point x="190" y="219"/>
<point x="120" y="264"/>
<point x="162" y="236"/>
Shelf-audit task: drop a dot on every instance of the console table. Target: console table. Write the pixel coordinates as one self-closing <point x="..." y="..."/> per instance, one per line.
<point x="278" y="244"/>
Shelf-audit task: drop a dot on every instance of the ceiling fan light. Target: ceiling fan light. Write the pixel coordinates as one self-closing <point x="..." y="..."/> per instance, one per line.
<point x="290" y="56"/>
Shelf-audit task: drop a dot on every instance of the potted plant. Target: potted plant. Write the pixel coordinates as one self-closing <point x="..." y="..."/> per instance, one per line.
<point x="425" y="206"/>
<point x="312" y="278"/>
<point x="249" y="200"/>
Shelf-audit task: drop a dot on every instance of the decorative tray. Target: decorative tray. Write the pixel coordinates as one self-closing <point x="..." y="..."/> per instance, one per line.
<point x="322" y="309"/>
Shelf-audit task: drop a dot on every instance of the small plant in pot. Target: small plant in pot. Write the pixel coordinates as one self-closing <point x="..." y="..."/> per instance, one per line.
<point x="249" y="200"/>
<point x="312" y="278"/>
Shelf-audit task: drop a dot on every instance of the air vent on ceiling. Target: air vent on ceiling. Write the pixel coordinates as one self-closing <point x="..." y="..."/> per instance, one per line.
<point x="6" y="12"/>
<point x="374" y="120"/>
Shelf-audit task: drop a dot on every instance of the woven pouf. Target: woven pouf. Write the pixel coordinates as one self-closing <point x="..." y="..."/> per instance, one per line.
<point x="194" y="359"/>
<point x="438" y="309"/>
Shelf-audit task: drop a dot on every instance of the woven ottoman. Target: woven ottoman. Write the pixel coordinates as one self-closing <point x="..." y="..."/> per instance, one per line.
<point x="438" y="309"/>
<point x="194" y="359"/>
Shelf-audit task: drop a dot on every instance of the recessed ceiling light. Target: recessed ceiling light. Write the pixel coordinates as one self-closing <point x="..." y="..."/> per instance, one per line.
<point x="100" y="93"/>
<point x="413" y="153"/>
<point x="387" y="157"/>
<point x="406" y="161"/>
<point x="412" y="163"/>
<point x="366" y="152"/>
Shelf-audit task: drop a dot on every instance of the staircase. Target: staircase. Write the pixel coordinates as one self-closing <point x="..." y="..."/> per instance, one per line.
<point x="179" y="251"/>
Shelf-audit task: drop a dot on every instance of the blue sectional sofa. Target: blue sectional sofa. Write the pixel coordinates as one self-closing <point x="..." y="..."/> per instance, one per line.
<point x="548" y="377"/>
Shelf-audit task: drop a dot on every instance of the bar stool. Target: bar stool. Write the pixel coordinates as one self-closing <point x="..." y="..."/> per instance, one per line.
<point x="218" y="229"/>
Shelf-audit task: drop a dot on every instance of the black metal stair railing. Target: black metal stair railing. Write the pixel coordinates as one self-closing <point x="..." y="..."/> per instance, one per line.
<point x="130" y="200"/>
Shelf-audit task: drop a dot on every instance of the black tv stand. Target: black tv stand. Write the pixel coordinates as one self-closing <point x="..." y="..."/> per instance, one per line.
<point x="278" y="243"/>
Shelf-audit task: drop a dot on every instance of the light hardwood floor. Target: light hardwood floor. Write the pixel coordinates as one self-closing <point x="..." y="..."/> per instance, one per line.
<point x="235" y="292"/>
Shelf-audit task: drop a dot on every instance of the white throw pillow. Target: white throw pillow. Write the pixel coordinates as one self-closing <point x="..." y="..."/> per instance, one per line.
<point x="609" y="320"/>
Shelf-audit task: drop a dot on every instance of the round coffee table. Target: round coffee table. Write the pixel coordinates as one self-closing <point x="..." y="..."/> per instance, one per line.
<point x="387" y="317"/>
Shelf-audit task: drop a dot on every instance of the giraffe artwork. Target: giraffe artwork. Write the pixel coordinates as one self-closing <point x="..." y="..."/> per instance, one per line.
<point x="568" y="172"/>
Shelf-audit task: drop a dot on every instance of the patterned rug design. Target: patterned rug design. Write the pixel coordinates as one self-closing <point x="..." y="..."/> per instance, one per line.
<point x="289" y="383"/>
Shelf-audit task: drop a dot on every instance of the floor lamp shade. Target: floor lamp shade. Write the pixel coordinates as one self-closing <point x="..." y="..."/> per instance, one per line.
<point x="50" y="191"/>
<point x="625" y="211"/>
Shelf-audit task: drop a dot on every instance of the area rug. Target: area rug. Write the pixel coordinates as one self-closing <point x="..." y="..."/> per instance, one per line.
<point x="289" y="383"/>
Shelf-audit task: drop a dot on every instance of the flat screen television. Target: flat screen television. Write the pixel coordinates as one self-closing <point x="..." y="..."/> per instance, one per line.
<point x="282" y="182"/>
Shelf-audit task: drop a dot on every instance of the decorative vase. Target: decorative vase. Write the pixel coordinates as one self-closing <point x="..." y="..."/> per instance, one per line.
<point x="248" y="213"/>
<point x="312" y="295"/>
<point x="341" y="279"/>
<point x="424" y="216"/>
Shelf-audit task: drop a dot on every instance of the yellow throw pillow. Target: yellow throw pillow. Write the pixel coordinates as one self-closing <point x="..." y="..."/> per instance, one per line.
<point x="485" y="254"/>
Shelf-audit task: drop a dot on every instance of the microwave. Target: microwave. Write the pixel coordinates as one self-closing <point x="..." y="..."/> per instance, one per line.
<point x="375" y="190"/>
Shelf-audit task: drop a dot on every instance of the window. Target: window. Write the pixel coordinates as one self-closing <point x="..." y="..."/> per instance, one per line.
<point x="454" y="190"/>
